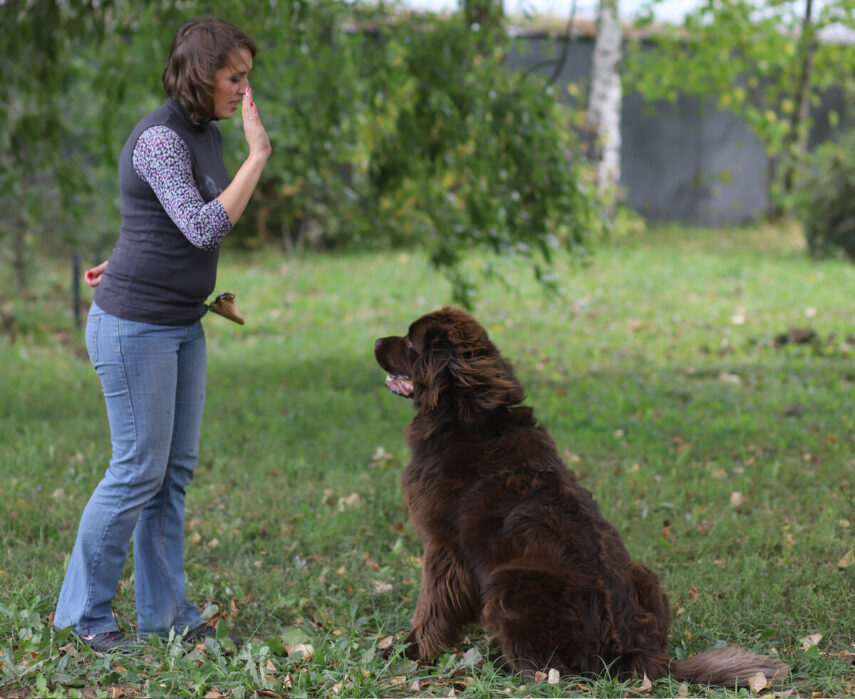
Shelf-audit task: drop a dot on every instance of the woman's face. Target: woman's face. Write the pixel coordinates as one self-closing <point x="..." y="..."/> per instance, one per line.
<point x="230" y="82"/>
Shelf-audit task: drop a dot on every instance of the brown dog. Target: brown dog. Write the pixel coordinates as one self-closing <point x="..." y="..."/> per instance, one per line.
<point x="510" y="538"/>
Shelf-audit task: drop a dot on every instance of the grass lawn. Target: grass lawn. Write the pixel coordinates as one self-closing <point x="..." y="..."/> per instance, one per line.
<point x="726" y="459"/>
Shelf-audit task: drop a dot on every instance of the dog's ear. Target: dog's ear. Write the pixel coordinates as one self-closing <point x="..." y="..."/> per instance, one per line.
<point x="430" y="375"/>
<point x="484" y="382"/>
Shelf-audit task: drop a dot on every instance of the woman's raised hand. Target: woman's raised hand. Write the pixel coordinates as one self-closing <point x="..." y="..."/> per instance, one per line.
<point x="253" y="129"/>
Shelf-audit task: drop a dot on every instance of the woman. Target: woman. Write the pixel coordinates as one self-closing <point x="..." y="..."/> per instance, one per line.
<point x="146" y="341"/>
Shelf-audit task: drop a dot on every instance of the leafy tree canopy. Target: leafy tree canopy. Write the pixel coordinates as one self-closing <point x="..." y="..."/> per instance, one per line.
<point x="386" y="129"/>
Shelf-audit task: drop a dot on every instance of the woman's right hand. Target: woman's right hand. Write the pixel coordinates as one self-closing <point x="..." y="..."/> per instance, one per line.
<point x="253" y="129"/>
<point x="93" y="275"/>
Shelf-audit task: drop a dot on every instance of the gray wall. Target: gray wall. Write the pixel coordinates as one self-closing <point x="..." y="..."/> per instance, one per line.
<point x="684" y="161"/>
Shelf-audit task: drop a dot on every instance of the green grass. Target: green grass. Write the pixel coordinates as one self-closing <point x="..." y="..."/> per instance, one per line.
<point x="727" y="462"/>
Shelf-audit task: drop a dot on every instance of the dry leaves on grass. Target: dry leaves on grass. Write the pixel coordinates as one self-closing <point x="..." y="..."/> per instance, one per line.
<point x="737" y="499"/>
<point x="680" y="445"/>
<point x="351" y="500"/>
<point x="552" y="677"/>
<point x="307" y="650"/>
<point x="847" y="560"/>
<point x="758" y="682"/>
<point x="381" y="587"/>
<point x="644" y="688"/>
<point x="809" y="642"/>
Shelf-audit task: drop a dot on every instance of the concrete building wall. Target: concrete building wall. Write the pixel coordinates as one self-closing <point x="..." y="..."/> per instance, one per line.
<point x="685" y="161"/>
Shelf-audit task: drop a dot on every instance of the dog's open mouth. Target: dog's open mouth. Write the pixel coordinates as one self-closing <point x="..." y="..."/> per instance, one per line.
<point x="402" y="385"/>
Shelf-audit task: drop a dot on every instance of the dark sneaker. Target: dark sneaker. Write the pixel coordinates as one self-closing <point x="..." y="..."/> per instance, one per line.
<point x="109" y="642"/>
<point x="203" y="631"/>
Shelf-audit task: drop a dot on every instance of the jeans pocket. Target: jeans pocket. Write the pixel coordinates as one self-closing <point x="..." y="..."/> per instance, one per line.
<point x="93" y="325"/>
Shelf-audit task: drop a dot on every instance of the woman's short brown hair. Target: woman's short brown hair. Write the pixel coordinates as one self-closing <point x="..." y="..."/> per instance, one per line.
<point x="201" y="47"/>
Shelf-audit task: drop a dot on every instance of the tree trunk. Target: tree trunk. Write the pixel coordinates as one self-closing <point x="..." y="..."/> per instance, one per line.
<point x="796" y="142"/>
<point x="19" y="260"/>
<point x="605" y="99"/>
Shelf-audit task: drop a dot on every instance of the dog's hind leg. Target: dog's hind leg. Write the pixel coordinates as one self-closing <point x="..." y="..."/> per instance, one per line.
<point x="542" y="621"/>
<point x="448" y="602"/>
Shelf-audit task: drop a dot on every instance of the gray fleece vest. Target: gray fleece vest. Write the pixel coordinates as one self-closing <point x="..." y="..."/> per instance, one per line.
<point x="155" y="275"/>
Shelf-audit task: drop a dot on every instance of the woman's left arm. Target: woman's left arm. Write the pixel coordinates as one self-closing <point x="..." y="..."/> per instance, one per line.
<point x="236" y="196"/>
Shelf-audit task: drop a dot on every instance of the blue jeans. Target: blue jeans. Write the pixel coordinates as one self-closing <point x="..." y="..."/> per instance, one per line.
<point x="153" y="377"/>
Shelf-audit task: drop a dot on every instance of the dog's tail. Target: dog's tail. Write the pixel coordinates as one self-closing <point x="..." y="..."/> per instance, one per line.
<point x="727" y="667"/>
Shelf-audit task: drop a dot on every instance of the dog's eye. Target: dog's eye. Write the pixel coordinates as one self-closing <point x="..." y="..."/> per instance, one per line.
<point x="408" y="342"/>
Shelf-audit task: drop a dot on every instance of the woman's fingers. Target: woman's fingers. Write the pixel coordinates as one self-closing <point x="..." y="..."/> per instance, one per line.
<point x="253" y="129"/>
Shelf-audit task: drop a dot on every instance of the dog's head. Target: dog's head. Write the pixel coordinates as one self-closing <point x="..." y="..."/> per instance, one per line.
<point x="446" y="362"/>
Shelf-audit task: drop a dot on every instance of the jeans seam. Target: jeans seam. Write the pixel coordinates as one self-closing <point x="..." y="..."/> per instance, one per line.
<point x="88" y="606"/>
<point x="163" y="560"/>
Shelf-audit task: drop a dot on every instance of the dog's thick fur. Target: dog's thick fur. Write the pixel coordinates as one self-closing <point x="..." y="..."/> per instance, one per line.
<point x="510" y="538"/>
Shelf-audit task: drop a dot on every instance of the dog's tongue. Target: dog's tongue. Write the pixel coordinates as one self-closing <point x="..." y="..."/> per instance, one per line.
<point x="402" y="385"/>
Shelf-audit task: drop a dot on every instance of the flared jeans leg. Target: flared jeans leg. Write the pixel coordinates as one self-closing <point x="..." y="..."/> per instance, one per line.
<point x="153" y="378"/>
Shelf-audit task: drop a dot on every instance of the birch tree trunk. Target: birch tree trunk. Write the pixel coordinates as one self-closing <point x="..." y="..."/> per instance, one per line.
<point x="604" y="101"/>
<point x="796" y="141"/>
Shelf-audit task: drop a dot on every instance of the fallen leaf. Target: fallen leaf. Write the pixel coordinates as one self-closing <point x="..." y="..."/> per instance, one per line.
<point x="553" y="676"/>
<point x="693" y="593"/>
<point x="472" y="658"/>
<point x="679" y="445"/>
<point x="70" y="649"/>
<point x="810" y="641"/>
<point x="349" y="501"/>
<point x="386" y="643"/>
<point x="214" y="693"/>
<point x="415" y="686"/>
<point x="737" y="499"/>
<point x="757" y="682"/>
<point x="116" y="692"/>
<point x="539" y="676"/>
<point x="725" y="377"/>
<point x="847" y="560"/>
<point x="380" y="587"/>
<point x="682" y="691"/>
<point x="306" y="649"/>
<point x="784" y="694"/>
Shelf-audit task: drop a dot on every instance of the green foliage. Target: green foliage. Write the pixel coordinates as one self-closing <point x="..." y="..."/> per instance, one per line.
<point x="477" y="156"/>
<point x="386" y="129"/>
<point x="748" y="56"/>
<point x="657" y="375"/>
<point x="828" y="199"/>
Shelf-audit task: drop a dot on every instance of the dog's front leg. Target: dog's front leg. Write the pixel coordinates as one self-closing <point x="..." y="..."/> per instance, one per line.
<point x="448" y="601"/>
